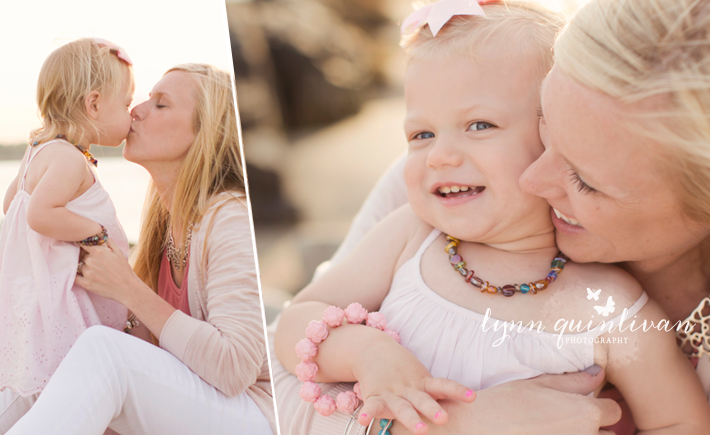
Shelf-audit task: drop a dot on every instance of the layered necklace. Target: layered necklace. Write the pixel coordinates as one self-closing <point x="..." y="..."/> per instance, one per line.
<point x="558" y="264"/>
<point x="176" y="256"/>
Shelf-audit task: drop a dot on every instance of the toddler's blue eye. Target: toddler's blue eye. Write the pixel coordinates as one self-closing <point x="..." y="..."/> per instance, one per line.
<point x="424" y="135"/>
<point x="480" y="125"/>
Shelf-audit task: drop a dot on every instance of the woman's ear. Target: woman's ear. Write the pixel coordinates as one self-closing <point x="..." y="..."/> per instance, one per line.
<point x="91" y="104"/>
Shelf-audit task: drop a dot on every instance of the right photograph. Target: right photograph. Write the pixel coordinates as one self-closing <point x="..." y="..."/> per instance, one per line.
<point x="481" y="217"/>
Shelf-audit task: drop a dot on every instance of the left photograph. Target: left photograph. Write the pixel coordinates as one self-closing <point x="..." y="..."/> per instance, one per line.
<point x="129" y="295"/>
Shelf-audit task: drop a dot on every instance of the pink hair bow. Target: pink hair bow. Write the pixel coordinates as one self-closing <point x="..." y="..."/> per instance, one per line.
<point x="439" y="13"/>
<point x="115" y="49"/>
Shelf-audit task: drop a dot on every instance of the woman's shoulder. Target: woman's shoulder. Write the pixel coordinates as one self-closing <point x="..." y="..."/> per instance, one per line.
<point x="226" y="205"/>
<point x="227" y="214"/>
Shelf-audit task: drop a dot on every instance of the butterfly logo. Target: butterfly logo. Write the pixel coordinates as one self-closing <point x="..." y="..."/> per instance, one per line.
<point x="593" y="294"/>
<point x="607" y="309"/>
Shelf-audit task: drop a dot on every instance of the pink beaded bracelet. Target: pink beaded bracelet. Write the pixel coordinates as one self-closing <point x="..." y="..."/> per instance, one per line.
<point x="306" y="349"/>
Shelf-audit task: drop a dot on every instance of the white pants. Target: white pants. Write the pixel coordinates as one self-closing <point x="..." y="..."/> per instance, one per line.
<point x="111" y="379"/>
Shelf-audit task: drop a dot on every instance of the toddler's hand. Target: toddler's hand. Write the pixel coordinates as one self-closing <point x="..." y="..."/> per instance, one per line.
<point x="396" y="385"/>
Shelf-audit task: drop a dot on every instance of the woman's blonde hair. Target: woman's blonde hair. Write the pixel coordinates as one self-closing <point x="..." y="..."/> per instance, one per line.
<point x="656" y="51"/>
<point x="530" y="26"/>
<point x="213" y="165"/>
<point x="68" y="75"/>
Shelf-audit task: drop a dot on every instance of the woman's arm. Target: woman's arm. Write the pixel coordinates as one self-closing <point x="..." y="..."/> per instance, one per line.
<point x="106" y="272"/>
<point x="62" y="179"/>
<point x="656" y="379"/>
<point x="228" y="350"/>
<point x="389" y="194"/>
<point x="548" y="404"/>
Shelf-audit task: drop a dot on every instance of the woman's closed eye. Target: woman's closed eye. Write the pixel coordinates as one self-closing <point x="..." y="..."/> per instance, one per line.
<point x="160" y="101"/>
<point x="480" y="125"/>
<point x="580" y="184"/>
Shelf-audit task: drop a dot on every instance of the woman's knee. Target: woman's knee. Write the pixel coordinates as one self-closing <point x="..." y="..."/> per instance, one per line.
<point x="101" y="340"/>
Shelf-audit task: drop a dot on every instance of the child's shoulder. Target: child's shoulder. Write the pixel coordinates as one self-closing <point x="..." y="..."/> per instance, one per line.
<point x="596" y="280"/>
<point x="404" y="228"/>
<point x="61" y="152"/>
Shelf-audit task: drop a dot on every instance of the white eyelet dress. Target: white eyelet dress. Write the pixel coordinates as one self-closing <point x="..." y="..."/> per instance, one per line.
<point x="42" y="311"/>
<point x="449" y="340"/>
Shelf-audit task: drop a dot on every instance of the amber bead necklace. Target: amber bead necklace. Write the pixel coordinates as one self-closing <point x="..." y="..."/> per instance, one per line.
<point x="558" y="264"/>
<point x="83" y="150"/>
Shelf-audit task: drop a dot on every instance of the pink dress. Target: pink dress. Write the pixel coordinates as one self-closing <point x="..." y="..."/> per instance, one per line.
<point x="42" y="311"/>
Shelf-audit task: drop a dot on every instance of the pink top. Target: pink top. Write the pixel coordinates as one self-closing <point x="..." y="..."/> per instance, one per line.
<point x="42" y="311"/>
<point x="168" y="290"/>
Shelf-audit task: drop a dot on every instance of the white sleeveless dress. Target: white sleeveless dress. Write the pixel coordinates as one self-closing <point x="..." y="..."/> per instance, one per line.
<point x="449" y="340"/>
<point x="42" y="311"/>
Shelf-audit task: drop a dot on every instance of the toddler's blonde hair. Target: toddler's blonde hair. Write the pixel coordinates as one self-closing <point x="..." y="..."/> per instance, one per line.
<point x="635" y="50"/>
<point x="530" y="26"/>
<point x="67" y="76"/>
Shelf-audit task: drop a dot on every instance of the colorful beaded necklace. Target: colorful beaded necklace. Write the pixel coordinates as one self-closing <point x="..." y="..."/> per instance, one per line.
<point x="83" y="150"/>
<point x="558" y="263"/>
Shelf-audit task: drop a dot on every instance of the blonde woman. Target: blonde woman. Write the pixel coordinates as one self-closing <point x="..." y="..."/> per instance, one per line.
<point x="193" y="286"/>
<point x="626" y="171"/>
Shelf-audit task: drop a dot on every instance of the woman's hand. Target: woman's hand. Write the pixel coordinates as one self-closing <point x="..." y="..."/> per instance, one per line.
<point x="398" y="386"/>
<point x="546" y="405"/>
<point x="106" y="272"/>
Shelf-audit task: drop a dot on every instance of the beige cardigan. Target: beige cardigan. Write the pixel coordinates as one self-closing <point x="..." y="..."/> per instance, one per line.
<point x="223" y="342"/>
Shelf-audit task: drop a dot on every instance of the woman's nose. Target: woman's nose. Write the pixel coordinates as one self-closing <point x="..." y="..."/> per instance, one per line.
<point x="138" y="111"/>
<point x="543" y="177"/>
<point x="444" y="152"/>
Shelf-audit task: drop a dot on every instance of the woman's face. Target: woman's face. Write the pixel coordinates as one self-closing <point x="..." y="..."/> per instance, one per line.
<point x="610" y="201"/>
<point x="162" y="129"/>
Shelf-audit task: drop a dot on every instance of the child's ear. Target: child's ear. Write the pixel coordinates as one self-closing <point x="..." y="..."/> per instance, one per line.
<point x="91" y="104"/>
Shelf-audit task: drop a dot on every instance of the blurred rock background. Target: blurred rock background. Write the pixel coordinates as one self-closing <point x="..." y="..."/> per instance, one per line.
<point x="319" y="85"/>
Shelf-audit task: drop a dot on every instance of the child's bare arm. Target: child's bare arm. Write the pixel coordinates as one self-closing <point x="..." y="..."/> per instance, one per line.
<point x="392" y="380"/>
<point x="46" y="212"/>
<point x="364" y="276"/>
<point x="9" y="195"/>
<point x="656" y="379"/>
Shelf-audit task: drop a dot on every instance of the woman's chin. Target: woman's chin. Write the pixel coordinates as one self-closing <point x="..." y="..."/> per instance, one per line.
<point x="128" y="154"/>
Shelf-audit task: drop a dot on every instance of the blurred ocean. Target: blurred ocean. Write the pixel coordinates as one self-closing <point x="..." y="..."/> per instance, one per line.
<point x="125" y="182"/>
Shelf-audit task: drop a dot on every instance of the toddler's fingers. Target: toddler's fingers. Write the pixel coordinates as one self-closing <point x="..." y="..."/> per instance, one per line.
<point x="428" y="407"/>
<point x="373" y="407"/>
<point x="442" y="388"/>
<point x="405" y="413"/>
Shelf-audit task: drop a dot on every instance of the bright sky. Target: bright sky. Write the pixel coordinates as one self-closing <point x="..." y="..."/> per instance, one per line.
<point x="157" y="34"/>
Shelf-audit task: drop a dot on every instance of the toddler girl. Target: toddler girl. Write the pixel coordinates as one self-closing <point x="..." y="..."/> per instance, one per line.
<point x="56" y="204"/>
<point x="472" y="94"/>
